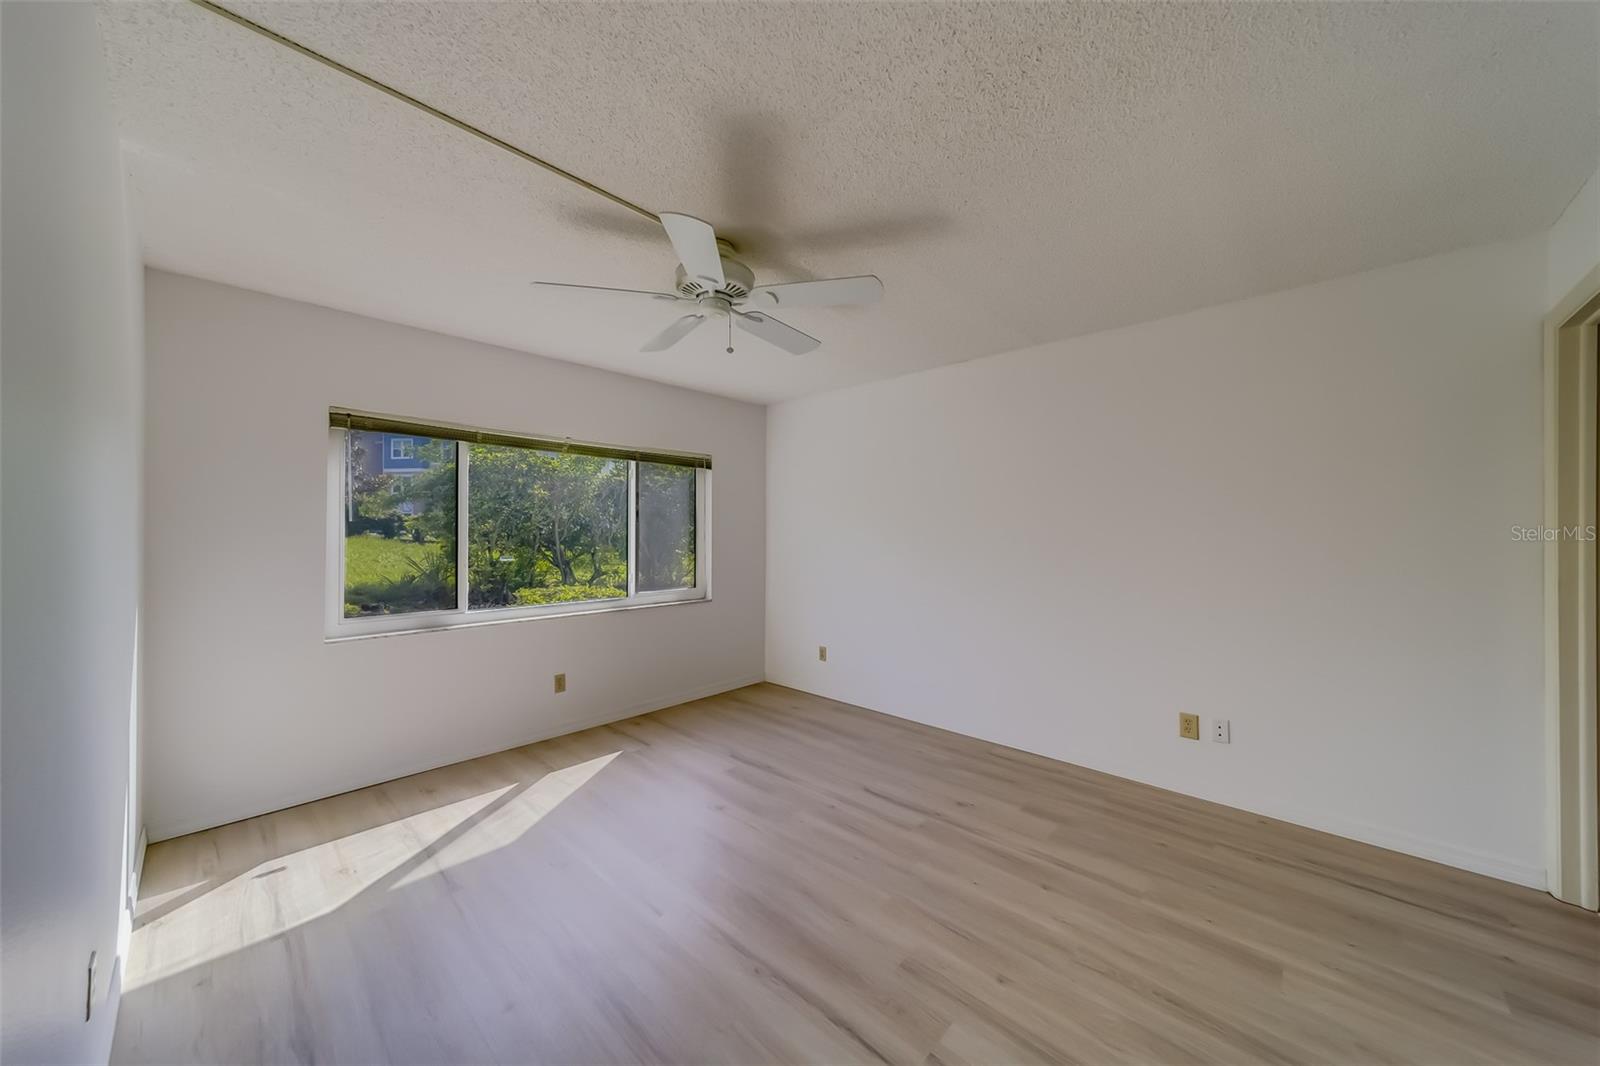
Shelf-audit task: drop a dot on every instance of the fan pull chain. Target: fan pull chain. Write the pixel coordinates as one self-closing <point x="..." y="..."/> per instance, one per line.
<point x="730" y="334"/>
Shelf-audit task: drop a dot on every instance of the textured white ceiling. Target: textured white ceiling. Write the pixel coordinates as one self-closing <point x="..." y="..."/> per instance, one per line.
<point x="1015" y="173"/>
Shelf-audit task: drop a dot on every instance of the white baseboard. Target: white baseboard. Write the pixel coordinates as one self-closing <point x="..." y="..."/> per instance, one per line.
<point x="1391" y="839"/>
<point x="137" y="873"/>
<point x="644" y="707"/>
<point x="1461" y="858"/>
<point x="1531" y="876"/>
<point x="166" y="831"/>
<point x="1386" y="837"/>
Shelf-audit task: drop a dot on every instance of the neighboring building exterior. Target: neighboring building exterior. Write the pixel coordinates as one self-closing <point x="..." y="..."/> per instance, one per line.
<point x="392" y="453"/>
<point x="395" y="454"/>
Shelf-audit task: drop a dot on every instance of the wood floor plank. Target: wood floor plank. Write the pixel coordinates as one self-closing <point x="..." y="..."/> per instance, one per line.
<point x="768" y="876"/>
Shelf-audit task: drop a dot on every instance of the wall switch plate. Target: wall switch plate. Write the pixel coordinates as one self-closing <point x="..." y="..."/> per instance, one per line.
<point x="822" y="653"/>
<point x="1219" y="731"/>
<point x="561" y="682"/>
<point x="1189" y="726"/>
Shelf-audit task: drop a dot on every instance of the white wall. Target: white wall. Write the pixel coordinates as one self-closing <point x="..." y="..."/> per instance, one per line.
<point x="1294" y="512"/>
<point x="1574" y="240"/>
<point x="70" y="528"/>
<point x="248" y="708"/>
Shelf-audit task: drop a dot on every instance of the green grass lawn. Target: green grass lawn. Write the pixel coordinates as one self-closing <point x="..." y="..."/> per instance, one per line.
<point x="370" y="560"/>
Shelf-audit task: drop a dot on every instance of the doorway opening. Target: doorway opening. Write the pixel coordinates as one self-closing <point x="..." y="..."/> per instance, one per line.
<point x="1572" y="485"/>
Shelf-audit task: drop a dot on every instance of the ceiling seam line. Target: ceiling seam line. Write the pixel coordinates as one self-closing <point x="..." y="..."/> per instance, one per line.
<point x="427" y="109"/>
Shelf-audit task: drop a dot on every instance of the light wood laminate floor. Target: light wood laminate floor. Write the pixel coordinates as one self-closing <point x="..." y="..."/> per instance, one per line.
<point x="768" y="876"/>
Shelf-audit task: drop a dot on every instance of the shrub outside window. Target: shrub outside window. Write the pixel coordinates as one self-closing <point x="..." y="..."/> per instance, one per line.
<point x="545" y="528"/>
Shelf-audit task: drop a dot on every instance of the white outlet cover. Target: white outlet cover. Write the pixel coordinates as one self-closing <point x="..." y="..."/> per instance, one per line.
<point x="1219" y="730"/>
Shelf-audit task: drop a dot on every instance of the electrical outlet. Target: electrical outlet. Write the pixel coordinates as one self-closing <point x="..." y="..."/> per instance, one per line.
<point x="1189" y="726"/>
<point x="822" y="653"/>
<point x="1219" y="731"/>
<point x="561" y="682"/>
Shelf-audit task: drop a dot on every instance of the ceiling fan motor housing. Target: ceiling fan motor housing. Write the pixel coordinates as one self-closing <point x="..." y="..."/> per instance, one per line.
<point x="717" y="285"/>
<point x="738" y="281"/>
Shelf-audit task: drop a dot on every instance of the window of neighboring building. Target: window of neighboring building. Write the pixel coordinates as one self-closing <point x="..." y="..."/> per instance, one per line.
<point x="481" y="526"/>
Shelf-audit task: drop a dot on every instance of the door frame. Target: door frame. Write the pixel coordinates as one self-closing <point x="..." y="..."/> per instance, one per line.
<point x="1571" y="377"/>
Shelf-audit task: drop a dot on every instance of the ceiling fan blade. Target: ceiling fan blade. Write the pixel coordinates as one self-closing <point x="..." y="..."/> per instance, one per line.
<point x="672" y="334"/>
<point x="776" y="333"/>
<point x="829" y="292"/>
<point x="696" y="244"/>
<point x="602" y="288"/>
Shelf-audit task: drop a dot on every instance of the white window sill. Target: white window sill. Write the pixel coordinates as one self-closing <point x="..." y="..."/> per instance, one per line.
<point x="475" y="623"/>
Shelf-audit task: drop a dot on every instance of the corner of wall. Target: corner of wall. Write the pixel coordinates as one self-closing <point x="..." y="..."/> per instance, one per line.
<point x="1054" y="657"/>
<point x="73" y="357"/>
<point x="1573" y="243"/>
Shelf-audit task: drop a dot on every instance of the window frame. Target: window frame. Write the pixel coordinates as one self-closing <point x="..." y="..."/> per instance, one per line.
<point x="338" y="627"/>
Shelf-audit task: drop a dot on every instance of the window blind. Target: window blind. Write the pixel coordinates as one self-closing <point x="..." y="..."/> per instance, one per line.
<point x="340" y="418"/>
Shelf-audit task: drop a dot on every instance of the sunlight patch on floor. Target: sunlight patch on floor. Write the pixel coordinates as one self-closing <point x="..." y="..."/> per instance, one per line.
<point x="290" y="890"/>
<point x="510" y="821"/>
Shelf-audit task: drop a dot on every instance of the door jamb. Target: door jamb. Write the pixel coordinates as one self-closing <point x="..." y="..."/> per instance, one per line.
<point x="1571" y="374"/>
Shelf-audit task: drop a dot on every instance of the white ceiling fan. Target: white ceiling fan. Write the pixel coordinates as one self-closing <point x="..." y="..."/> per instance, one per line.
<point x="719" y="286"/>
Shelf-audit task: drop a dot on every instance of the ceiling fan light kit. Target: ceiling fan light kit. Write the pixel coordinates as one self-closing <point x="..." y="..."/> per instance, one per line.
<point x="721" y="287"/>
